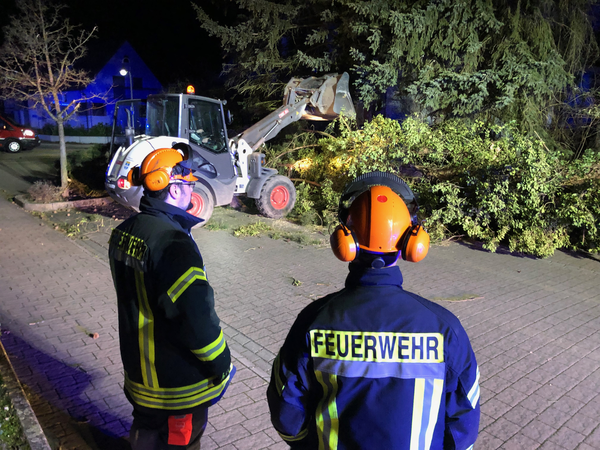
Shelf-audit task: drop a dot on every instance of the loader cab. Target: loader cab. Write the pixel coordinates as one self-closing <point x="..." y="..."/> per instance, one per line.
<point x="200" y="120"/>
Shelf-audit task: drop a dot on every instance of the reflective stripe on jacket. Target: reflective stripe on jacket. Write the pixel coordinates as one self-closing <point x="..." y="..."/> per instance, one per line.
<point x="374" y="366"/>
<point x="173" y="350"/>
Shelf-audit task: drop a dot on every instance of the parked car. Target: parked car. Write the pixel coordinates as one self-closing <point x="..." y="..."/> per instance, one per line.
<point x="14" y="138"/>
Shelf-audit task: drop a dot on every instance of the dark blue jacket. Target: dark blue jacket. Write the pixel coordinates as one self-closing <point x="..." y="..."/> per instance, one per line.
<point x="374" y="366"/>
<point x="173" y="350"/>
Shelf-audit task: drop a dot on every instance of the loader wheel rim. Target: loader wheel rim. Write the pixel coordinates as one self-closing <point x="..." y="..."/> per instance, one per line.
<point x="197" y="205"/>
<point x="280" y="197"/>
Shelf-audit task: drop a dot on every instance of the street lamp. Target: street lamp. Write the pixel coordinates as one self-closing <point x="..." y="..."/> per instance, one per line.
<point x="127" y="70"/>
<point x="130" y="129"/>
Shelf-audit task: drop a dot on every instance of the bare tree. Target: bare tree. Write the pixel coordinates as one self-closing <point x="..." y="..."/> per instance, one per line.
<point x="37" y="64"/>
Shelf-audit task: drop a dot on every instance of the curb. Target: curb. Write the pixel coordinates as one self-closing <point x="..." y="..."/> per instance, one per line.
<point x="25" y="204"/>
<point x="31" y="427"/>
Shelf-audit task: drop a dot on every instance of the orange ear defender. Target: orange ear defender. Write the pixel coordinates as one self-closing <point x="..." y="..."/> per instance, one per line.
<point x="415" y="244"/>
<point x="156" y="170"/>
<point x="343" y="244"/>
<point x="377" y="214"/>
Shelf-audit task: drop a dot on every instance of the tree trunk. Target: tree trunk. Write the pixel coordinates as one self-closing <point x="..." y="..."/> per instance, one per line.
<point x="64" y="176"/>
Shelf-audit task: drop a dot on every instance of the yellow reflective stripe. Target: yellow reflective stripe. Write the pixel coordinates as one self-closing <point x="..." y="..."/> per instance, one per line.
<point x="426" y="407"/>
<point x="145" y="334"/>
<point x="176" y="398"/>
<point x="327" y="415"/>
<point x="436" y="399"/>
<point x="128" y="244"/>
<point x="279" y="385"/>
<point x="298" y="437"/>
<point x="179" y="287"/>
<point x="163" y="392"/>
<point x="211" y="351"/>
<point x="417" y="415"/>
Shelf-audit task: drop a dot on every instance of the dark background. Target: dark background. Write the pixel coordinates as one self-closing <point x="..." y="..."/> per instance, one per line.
<point x="166" y="34"/>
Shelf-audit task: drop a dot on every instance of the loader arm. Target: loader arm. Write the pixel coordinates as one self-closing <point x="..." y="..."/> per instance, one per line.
<point x="313" y="98"/>
<point x="269" y="126"/>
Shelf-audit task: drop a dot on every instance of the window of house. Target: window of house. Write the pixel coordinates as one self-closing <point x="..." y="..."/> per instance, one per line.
<point x="98" y="109"/>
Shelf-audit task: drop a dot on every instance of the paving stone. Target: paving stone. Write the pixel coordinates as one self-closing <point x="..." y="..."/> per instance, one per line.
<point x="520" y="415"/>
<point x="567" y="438"/>
<point x="519" y="442"/>
<point x="229" y="435"/>
<point x="488" y="441"/>
<point x="502" y="428"/>
<point x="255" y="441"/>
<point x="553" y="417"/>
<point x="538" y="431"/>
<point x="535" y="332"/>
<point x="593" y="439"/>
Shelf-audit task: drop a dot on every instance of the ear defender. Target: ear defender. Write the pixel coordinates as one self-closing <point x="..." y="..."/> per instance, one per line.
<point x="343" y="243"/>
<point x="133" y="176"/>
<point x="157" y="179"/>
<point x="415" y="244"/>
<point x="155" y="172"/>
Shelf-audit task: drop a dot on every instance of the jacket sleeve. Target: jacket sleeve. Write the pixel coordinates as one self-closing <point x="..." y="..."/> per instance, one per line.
<point x="188" y="300"/>
<point x="462" y="396"/>
<point x="290" y="390"/>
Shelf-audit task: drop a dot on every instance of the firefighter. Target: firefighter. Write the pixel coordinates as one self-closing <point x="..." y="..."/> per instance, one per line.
<point x="374" y="366"/>
<point x="174" y="354"/>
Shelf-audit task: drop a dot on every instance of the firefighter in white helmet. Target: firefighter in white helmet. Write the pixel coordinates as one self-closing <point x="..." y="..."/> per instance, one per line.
<point x="374" y="366"/>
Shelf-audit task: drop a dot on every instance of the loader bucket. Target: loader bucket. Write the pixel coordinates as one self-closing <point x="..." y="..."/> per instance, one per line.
<point x="327" y="97"/>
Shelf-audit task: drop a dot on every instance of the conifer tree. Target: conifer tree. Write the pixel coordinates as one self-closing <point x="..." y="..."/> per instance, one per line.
<point x="453" y="58"/>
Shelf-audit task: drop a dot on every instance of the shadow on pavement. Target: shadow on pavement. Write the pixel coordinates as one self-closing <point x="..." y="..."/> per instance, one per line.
<point x="501" y="250"/>
<point x="56" y="389"/>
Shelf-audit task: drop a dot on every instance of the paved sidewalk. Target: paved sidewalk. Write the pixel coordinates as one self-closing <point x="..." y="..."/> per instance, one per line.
<point x="534" y="325"/>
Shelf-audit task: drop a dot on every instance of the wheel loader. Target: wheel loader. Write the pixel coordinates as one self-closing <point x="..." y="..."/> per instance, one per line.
<point x="228" y="167"/>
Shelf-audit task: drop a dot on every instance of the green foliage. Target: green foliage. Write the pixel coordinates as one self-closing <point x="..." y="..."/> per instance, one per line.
<point x="493" y="184"/>
<point x="216" y="225"/>
<point x="304" y="206"/>
<point x="254" y="229"/>
<point x="11" y="432"/>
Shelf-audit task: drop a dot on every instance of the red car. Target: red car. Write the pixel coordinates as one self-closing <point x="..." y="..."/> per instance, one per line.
<point x="14" y="138"/>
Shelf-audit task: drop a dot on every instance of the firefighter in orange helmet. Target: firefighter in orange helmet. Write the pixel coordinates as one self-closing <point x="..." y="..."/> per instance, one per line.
<point x="174" y="354"/>
<point x="374" y="366"/>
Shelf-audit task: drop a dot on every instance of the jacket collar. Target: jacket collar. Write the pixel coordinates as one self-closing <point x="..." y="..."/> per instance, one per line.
<point x="155" y="207"/>
<point x="365" y="276"/>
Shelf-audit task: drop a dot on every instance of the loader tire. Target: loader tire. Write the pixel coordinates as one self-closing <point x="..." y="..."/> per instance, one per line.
<point x="202" y="204"/>
<point x="277" y="197"/>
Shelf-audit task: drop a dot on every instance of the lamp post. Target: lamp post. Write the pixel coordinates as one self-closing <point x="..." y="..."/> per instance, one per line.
<point x="130" y="129"/>
<point x="127" y="70"/>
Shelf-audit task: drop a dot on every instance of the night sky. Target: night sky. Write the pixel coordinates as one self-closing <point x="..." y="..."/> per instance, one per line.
<point x="167" y="37"/>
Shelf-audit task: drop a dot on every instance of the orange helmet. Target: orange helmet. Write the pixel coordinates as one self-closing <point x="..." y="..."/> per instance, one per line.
<point x="378" y="218"/>
<point x="161" y="168"/>
<point x="378" y="215"/>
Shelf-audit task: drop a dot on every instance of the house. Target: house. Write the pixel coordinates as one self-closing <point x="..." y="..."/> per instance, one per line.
<point x="138" y="82"/>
